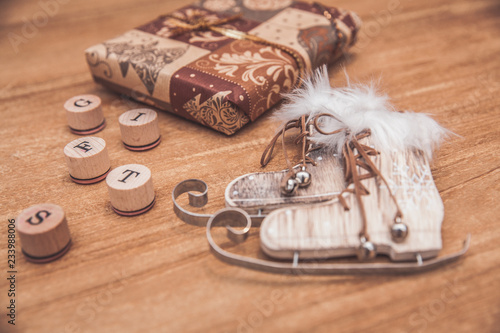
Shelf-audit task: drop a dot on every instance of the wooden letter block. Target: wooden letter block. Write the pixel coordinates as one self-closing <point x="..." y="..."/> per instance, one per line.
<point x="84" y="114"/>
<point x="87" y="160"/>
<point x="130" y="189"/>
<point x="140" y="130"/>
<point x="44" y="232"/>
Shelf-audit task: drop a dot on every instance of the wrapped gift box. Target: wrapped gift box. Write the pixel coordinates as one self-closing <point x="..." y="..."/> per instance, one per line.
<point x="222" y="63"/>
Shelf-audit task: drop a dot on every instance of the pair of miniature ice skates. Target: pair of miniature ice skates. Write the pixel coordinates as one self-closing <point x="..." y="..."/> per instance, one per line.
<point x="363" y="187"/>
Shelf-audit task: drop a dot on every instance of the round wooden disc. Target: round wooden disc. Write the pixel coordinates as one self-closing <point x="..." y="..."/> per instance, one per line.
<point x="87" y="159"/>
<point x="43" y="231"/>
<point x="84" y="114"/>
<point x="139" y="128"/>
<point x="130" y="188"/>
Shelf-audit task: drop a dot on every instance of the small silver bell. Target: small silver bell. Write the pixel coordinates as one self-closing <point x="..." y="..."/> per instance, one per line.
<point x="367" y="250"/>
<point x="303" y="178"/>
<point x="290" y="187"/>
<point x="399" y="231"/>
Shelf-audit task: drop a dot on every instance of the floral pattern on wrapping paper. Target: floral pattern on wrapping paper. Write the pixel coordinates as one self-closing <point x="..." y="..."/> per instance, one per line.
<point x="228" y="64"/>
<point x="146" y="59"/>
<point x="206" y="38"/>
<point x="217" y="113"/>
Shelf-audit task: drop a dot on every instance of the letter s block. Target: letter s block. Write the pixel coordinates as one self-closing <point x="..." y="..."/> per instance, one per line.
<point x="44" y="232"/>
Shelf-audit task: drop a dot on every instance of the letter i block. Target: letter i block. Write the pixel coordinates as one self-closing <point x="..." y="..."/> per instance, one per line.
<point x="84" y="114"/>
<point x="130" y="189"/>
<point x="139" y="129"/>
<point x="44" y="232"/>
<point x="87" y="159"/>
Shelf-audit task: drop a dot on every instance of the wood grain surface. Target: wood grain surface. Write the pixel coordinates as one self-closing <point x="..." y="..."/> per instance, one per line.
<point x="153" y="273"/>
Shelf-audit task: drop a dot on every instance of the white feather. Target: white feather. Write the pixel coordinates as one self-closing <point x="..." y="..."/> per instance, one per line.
<point x="360" y="107"/>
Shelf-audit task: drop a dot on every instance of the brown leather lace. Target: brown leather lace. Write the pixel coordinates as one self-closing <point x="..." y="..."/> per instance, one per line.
<point x="302" y="124"/>
<point x="361" y="159"/>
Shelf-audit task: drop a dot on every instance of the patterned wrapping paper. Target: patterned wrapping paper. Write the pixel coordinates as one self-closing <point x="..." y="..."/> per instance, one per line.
<point x="219" y="81"/>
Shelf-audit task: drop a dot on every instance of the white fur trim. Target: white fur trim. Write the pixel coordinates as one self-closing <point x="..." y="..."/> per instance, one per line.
<point x="359" y="107"/>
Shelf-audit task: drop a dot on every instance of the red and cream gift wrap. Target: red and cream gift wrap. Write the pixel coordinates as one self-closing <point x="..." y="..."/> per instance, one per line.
<point x="222" y="63"/>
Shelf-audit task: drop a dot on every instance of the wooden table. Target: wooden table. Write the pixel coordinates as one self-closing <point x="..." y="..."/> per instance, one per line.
<point x="153" y="273"/>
